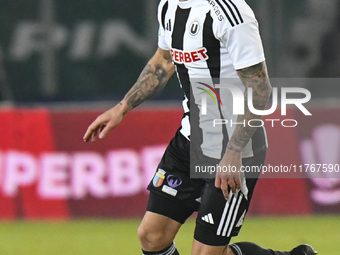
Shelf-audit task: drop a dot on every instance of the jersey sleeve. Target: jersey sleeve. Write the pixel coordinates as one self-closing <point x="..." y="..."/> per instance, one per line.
<point x="244" y="44"/>
<point x="161" y="33"/>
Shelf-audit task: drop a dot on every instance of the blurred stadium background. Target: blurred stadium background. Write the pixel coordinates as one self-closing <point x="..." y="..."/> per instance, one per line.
<point x="64" y="62"/>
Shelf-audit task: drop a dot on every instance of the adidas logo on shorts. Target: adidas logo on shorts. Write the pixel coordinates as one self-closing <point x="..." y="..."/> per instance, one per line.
<point x="208" y="218"/>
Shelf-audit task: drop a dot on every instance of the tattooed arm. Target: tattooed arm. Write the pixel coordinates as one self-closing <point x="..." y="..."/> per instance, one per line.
<point x="254" y="77"/>
<point x="151" y="81"/>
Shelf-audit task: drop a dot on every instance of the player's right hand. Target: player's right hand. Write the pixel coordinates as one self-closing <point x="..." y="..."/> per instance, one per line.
<point x="229" y="179"/>
<point x="104" y="123"/>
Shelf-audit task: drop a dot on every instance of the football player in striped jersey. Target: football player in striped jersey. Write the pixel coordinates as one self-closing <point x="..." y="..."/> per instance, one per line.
<point x="205" y="42"/>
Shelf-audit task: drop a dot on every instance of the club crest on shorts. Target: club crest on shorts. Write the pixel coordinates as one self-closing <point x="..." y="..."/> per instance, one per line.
<point x="158" y="178"/>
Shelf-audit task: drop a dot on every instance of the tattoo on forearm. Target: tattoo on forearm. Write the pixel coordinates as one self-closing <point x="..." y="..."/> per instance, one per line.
<point x="256" y="78"/>
<point x="252" y="71"/>
<point x="232" y="148"/>
<point x="150" y="82"/>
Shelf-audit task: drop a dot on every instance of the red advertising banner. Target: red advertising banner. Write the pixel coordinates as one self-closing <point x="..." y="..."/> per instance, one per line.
<point x="47" y="171"/>
<point x="319" y="147"/>
<point x="281" y="195"/>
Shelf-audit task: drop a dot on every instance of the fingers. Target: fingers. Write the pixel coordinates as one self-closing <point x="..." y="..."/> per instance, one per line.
<point x="237" y="183"/>
<point x="103" y="124"/>
<point x="224" y="187"/>
<point x="98" y="128"/>
<point x="218" y="183"/>
<point x="225" y="183"/>
<point x="93" y="137"/>
<point x="91" y="132"/>
<point x="104" y="130"/>
<point x="232" y="185"/>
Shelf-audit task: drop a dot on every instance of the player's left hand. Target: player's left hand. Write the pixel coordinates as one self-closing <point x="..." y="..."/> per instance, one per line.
<point x="231" y="162"/>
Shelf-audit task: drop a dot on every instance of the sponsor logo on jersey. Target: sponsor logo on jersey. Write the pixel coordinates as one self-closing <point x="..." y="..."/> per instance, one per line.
<point x="182" y="57"/>
<point x="158" y="178"/>
<point x="216" y="10"/>
<point x="173" y="181"/>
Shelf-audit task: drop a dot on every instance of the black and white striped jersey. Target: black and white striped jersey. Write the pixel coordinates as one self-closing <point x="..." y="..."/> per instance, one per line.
<point x="209" y="40"/>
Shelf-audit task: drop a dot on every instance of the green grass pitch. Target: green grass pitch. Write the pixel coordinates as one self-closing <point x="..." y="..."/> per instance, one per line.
<point x="104" y="237"/>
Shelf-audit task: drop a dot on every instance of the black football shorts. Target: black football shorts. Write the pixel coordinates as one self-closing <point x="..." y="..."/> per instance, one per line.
<point x="175" y="195"/>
